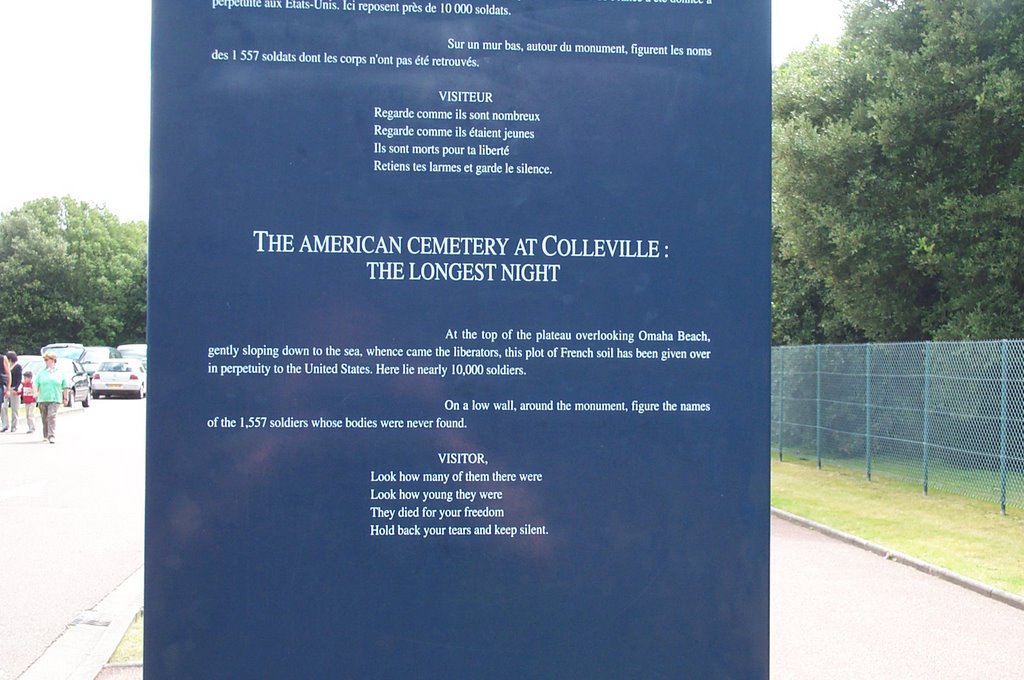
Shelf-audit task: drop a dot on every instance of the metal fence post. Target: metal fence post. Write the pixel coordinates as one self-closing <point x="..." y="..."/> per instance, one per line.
<point x="927" y="386"/>
<point x="1004" y="378"/>
<point x="867" y="409"/>
<point x="817" y="415"/>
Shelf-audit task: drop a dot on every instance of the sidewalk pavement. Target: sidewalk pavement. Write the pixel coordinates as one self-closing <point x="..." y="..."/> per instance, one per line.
<point x="82" y="652"/>
<point x="86" y="645"/>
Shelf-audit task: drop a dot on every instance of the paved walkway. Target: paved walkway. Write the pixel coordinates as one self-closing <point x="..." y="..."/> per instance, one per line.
<point x="842" y="613"/>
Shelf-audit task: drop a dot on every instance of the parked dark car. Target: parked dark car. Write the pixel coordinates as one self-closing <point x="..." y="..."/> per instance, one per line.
<point x="78" y="378"/>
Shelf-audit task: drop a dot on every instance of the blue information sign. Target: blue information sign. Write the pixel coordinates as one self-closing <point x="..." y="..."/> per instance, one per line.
<point x="459" y="334"/>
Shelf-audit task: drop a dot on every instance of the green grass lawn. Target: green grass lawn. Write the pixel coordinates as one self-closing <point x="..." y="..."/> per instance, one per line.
<point x="964" y="535"/>
<point x="130" y="648"/>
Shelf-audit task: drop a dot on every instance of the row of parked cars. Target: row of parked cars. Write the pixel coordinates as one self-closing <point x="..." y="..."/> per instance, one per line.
<point x="95" y="371"/>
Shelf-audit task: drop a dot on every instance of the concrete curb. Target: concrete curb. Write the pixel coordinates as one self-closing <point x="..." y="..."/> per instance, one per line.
<point x="930" y="569"/>
<point x="87" y="643"/>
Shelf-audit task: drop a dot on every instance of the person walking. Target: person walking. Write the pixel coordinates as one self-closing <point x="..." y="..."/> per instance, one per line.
<point x="14" y="391"/>
<point x="5" y="387"/>
<point x="28" y="398"/>
<point x="51" y="391"/>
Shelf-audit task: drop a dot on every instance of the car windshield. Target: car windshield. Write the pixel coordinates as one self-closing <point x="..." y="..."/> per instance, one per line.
<point x="115" y="367"/>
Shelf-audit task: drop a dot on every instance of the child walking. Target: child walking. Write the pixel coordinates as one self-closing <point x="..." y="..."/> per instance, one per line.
<point x="28" y="400"/>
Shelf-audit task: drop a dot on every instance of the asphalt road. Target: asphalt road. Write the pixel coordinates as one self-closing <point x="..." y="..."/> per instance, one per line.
<point x="841" y="613"/>
<point x="71" y="522"/>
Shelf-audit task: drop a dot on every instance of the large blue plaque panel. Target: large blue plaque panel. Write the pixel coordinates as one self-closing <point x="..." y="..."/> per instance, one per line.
<point x="459" y="340"/>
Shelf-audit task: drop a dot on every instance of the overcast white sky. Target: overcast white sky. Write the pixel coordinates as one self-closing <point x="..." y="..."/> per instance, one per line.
<point x="74" y="78"/>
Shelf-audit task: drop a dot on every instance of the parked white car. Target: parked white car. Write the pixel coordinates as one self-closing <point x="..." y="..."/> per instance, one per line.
<point x="120" y="376"/>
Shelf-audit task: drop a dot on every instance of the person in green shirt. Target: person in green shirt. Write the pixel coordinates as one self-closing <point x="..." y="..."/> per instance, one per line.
<point x="52" y="389"/>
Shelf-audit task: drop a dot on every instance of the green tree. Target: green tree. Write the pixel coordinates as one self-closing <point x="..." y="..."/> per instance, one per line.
<point x="803" y="312"/>
<point x="72" y="272"/>
<point x="899" y="173"/>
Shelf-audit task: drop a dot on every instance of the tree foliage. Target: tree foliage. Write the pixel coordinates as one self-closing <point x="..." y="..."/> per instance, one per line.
<point x="898" y="170"/>
<point x="71" y="272"/>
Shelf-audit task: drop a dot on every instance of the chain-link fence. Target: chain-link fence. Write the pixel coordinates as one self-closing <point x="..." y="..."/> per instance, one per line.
<point x="947" y="415"/>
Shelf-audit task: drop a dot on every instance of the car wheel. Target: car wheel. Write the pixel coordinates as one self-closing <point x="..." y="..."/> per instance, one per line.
<point x="71" y="399"/>
<point x="88" y="398"/>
